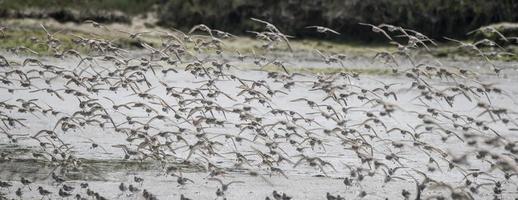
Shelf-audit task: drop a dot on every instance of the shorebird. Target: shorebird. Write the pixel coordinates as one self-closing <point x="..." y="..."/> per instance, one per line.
<point x="44" y="193"/>
<point x="96" y="24"/>
<point x="273" y="29"/>
<point x="201" y="27"/>
<point x="224" y="186"/>
<point x="322" y="29"/>
<point x="135" y="35"/>
<point x="377" y="29"/>
<point x="489" y="30"/>
<point x="2" y="30"/>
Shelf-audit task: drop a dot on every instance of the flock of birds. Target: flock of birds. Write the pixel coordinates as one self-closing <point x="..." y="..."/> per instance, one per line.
<point x="188" y="104"/>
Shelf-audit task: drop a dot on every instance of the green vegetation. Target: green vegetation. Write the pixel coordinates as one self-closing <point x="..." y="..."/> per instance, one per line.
<point x="436" y="18"/>
<point x="27" y="38"/>
<point x="130" y="7"/>
<point x="34" y="37"/>
<point x="105" y="11"/>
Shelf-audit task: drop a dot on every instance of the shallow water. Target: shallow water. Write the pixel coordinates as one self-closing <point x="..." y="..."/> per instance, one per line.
<point x="104" y="167"/>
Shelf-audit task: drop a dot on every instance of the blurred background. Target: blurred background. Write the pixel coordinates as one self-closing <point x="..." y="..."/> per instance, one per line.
<point x="435" y="18"/>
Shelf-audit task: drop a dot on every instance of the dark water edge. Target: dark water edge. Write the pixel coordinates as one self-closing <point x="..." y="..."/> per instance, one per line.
<point x="90" y="170"/>
<point x="21" y="163"/>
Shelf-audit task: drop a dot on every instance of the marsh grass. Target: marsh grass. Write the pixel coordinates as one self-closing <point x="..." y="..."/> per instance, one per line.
<point x="451" y="51"/>
<point x="34" y="39"/>
<point x="21" y="33"/>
